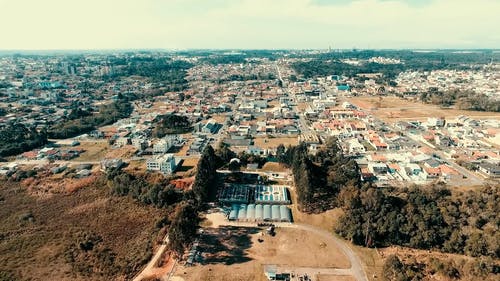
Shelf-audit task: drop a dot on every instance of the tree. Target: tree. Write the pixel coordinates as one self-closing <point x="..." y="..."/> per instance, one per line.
<point x="394" y="269"/>
<point x="206" y="173"/>
<point x="475" y="245"/>
<point x="183" y="228"/>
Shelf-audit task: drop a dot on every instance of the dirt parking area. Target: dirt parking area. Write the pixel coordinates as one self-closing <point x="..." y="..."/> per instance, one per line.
<point x="239" y="253"/>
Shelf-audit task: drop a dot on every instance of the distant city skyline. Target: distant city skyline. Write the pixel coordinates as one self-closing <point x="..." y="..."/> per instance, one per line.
<point x="249" y="24"/>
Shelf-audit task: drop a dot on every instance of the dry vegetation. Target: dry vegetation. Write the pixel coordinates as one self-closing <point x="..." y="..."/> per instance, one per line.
<point x="93" y="151"/>
<point x="88" y="235"/>
<point x="439" y="266"/>
<point x="393" y="109"/>
<point x="274" y="142"/>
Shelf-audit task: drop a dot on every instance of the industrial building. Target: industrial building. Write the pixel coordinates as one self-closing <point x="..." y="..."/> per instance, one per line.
<point x="250" y="193"/>
<point x="259" y="213"/>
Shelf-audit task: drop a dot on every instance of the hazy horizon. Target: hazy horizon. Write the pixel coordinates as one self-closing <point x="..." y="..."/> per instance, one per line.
<point x="58" y="25"/>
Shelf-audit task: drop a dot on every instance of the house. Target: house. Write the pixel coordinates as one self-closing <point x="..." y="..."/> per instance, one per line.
<point x="413" y="169"/>
<point x="377" y="168"/>
<point x="122" y="141"/>
<point x="108" y="164"/>
<point x="431" y="172"/>
<point x="255" y="150"/>
<point x="163" y="163"/>
<point x="435" y="122"/>
<point x="140" y="143"/>
<point x="211" y="127"/>
<point x="355" y="147"/>
<point x="163" y="145"/>
<point x="489" y="169"/>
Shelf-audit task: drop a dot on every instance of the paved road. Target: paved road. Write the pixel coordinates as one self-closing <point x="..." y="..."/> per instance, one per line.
<point x="304" y="128"/>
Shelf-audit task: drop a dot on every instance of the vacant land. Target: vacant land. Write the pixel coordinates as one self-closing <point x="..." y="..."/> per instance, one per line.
<point x="88" y="235"/>
<point x="274" y="142"/>
<point x="335" y="278"/>
<point x="93" y="151"/>
<point x="393" y="109"/>
<point x="235" y="253"/>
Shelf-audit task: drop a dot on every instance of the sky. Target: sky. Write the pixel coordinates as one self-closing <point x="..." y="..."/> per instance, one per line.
<point x="248" y="24"/>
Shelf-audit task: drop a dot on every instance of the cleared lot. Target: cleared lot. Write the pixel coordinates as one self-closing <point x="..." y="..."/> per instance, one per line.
<point x="393" y="109"/>
<point x="235" y="253"/>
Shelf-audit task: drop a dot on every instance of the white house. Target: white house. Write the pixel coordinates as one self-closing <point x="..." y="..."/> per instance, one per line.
<point x="163" y="145"/>
<point x="355" y="147"/>
<point x="162" y="163"/>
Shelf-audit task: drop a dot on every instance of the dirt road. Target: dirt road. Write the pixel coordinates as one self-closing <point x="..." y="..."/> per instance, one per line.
<point x="356" y="269"/>
<point x="148" y="270"/>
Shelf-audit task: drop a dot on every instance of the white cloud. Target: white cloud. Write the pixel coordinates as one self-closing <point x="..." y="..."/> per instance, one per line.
<point x="60" y="24"/>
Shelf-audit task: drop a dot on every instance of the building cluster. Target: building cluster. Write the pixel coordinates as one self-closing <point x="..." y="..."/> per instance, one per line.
<point x="478" y="81"/>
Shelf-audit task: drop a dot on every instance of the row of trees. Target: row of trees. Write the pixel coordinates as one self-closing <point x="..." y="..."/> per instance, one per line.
<point x="171" y="74"/>
<point x="81" y="123"/>
<point x="16" y="138"/>
<point x="331" y="63"/>
<point x="319" y="178"/>
<point x="432" y="218"/>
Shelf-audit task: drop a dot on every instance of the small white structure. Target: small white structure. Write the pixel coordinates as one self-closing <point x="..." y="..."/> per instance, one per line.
<point x="162" y="163"/>
<point x="355" y="147"/>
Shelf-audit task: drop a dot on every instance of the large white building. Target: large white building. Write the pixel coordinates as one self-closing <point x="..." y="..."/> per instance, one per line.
<point x="163" y="163"/>
<point x="163" y="145"/>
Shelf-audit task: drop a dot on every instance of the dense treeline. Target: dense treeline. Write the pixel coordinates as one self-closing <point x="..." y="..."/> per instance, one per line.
<point x="330" y="63"/>
<point x="206" y="176"/>
<point x="467" y="100"/>
<point x="411" y="269"/>
<point x="84" y="123"/>
<point x="171" y="124"/>
<point x="432" y="218"/>
<point x="159" y="195"/>
<point x="319" y="178"/>
<point x="16" y="138"/>
<point x="172" y="74"/>
<point x="225" y="59"/>
<point x="316" y="68"/>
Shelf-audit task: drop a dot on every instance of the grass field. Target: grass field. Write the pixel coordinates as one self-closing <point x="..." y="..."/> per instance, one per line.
<point x="393" y="109"/>
<point x="40" y="237"/>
